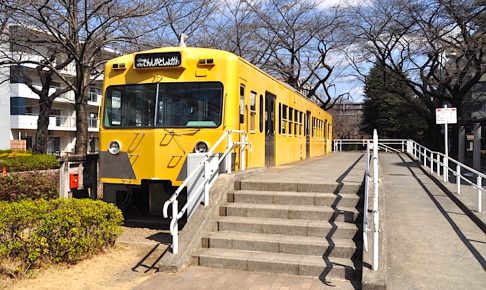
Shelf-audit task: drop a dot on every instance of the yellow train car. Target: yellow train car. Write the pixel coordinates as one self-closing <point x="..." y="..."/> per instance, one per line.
<point x="159" y="105"/>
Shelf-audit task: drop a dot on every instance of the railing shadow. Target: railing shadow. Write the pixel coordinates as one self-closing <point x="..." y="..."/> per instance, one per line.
<point x="481" y="260"/>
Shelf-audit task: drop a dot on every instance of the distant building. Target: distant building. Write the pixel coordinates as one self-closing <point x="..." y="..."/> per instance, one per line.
<point x="19" y="107"/>
<point x="347" y="118"/>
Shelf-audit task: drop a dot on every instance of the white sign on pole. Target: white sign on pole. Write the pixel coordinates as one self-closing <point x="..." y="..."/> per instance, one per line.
<point x="445" y="116"/>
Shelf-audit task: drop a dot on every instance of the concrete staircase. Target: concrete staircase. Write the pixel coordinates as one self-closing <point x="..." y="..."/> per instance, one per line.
<point x="280" y="229"/>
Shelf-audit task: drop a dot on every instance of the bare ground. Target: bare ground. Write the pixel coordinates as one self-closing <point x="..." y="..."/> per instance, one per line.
<point x="129" y="263"/>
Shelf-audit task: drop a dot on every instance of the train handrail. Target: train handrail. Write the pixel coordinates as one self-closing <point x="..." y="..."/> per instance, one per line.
<point x="206" y="184"/>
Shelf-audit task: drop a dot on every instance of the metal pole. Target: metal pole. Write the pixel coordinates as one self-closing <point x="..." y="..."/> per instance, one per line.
<point x="438" y="164"/>
<point x="446" y="158"/>
<point x="458" y="178"/>
<point x="432" y="161"/>
<point x="242" y="152"/>
<point x="207" y="176"/>
<point x="175" y="234"/>
<point x="480" y="191"/>
<point x="375" y="203"/>
<point x="229" y="156"/>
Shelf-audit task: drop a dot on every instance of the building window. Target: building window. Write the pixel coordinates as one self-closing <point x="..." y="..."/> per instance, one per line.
<point x="93" y="94"/>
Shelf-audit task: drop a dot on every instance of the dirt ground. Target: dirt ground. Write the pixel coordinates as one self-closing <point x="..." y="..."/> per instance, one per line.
<point x="129" y="263"/>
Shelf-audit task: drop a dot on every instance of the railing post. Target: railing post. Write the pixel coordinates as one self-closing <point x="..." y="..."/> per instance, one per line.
<point x="458" y="178"/>
<point x="207" y="176"/>
<point x="242" y="152"/>
<point x="175" y="232"/>
<point x="445" y="169"/>
<point x="229" y="156"/>
<point x="480" y="191"/>
<point x="425" y="157"/>
<point x="375" y="203"/>
<point x="403" y="150"/>
<point x="438" y="164"/>
<point x="432" y="161"/>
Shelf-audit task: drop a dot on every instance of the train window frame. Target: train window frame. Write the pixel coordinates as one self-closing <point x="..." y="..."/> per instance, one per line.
<point x="284" y="119"/>
<point x="252" y="125"/>
<point x="280" y="118"/>
<point x="261" y="113"/>
<point x="154" y="109"/>
<point x="242" y="104"/>
<point x="296" y="122"/>
<point x="291" y="120"/>
<point x="301" y="114"/>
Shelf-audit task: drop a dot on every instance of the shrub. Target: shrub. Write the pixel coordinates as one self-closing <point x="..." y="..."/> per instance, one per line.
<point x="29" y="185"/>
<point x="24" y="161"/>
<point x="59" y="230"/>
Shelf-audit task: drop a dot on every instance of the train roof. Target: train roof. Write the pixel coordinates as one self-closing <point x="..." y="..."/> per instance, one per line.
<point x="217" y="53"/>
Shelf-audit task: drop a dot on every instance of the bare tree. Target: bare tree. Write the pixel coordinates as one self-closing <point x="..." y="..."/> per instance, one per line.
<point x="438" y="44"/>
<point x="302" y="42"/>
<point x="85" y="30"/>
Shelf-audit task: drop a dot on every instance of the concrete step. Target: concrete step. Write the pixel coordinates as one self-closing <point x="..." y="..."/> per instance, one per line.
<point x="311" y="228"/>
<point x="285" y="211"/>
<point x="298" y="245"/>
<point x="265" y="185"/>
<point x="278" y="263"/>
<point x="294" y="198"/>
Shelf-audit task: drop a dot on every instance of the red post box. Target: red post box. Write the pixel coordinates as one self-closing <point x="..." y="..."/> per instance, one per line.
<point x="73" y="181"/>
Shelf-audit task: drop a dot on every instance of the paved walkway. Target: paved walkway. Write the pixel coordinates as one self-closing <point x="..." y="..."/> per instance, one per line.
<point x="430" y="243"/>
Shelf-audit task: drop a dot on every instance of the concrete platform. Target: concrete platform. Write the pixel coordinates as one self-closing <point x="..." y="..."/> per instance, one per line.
<point x="430" y="242"/>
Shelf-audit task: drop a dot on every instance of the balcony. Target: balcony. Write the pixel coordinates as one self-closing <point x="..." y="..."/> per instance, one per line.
<point x="22" y="90"/>
<point x="56" y="123"/>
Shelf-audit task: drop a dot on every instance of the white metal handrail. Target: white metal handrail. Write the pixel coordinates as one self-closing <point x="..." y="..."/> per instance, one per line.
<point x="434" y="160"/>
<point x="207" y="181"/>
<point x="376" y="213"/>
<point x="437" y="160"/>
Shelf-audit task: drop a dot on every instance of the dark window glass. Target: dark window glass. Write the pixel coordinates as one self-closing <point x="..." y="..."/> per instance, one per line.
<point x="261" y="113"/>
<point x="179" y="105"/>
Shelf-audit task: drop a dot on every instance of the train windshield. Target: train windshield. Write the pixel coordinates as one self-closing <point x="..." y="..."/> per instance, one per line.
<point x="165" y="105"/>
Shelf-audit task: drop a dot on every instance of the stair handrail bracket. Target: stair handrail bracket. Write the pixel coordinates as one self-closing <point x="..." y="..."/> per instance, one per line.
<point x="208" y="180"/>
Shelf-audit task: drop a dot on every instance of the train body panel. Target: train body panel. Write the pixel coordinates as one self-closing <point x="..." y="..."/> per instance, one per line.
<point x="159" y="104"/>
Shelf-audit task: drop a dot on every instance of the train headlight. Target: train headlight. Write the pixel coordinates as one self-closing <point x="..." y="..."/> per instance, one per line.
<point x="201" y="147"/>
<point x="114" y="147"/>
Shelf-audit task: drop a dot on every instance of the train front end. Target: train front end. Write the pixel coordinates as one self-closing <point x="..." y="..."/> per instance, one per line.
<point x="159" y="106"/>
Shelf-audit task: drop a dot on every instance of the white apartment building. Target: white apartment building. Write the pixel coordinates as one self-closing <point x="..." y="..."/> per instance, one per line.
<point x="19" y="108"/>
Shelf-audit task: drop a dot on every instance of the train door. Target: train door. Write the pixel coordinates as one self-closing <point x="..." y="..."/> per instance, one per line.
<point x="269" y="129"/>
<point x="307" y="134"/>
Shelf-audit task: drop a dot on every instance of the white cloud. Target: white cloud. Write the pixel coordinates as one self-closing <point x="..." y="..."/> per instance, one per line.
<point x="343" y="3"/>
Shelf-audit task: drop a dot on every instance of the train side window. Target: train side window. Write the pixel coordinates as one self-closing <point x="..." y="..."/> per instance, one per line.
<point x="261" y="114"/>
<point x="280" y="118"/>
<point x="284" y="119"/>
<point x="296" y="123"/>
<point x="301" y="123"/>
<point x="325" y="129"/>
<point x="253" y="96"/>
<point x="291" y="114"/>
<point x="242" y="104"/>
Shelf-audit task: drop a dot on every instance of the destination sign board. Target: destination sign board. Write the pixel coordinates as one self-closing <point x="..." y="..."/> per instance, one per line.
<point x="157" y="60"/>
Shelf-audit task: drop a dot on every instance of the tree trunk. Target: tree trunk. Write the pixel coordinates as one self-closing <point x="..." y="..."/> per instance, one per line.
<point x="41" y="135"/>
<point x="81" y="128"/>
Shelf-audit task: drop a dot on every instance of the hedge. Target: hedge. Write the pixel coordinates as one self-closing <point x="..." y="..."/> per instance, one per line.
<point x="29" y="185"/>
<point x="26" y="161"/>
<point x="34" y="232"/>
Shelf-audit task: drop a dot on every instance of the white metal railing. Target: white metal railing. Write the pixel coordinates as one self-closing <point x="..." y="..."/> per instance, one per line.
<point x="205" y="185"/>
<point x="440" y="164"/>
<point x="338" y="143"/>
<point x="373" y="157"/>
